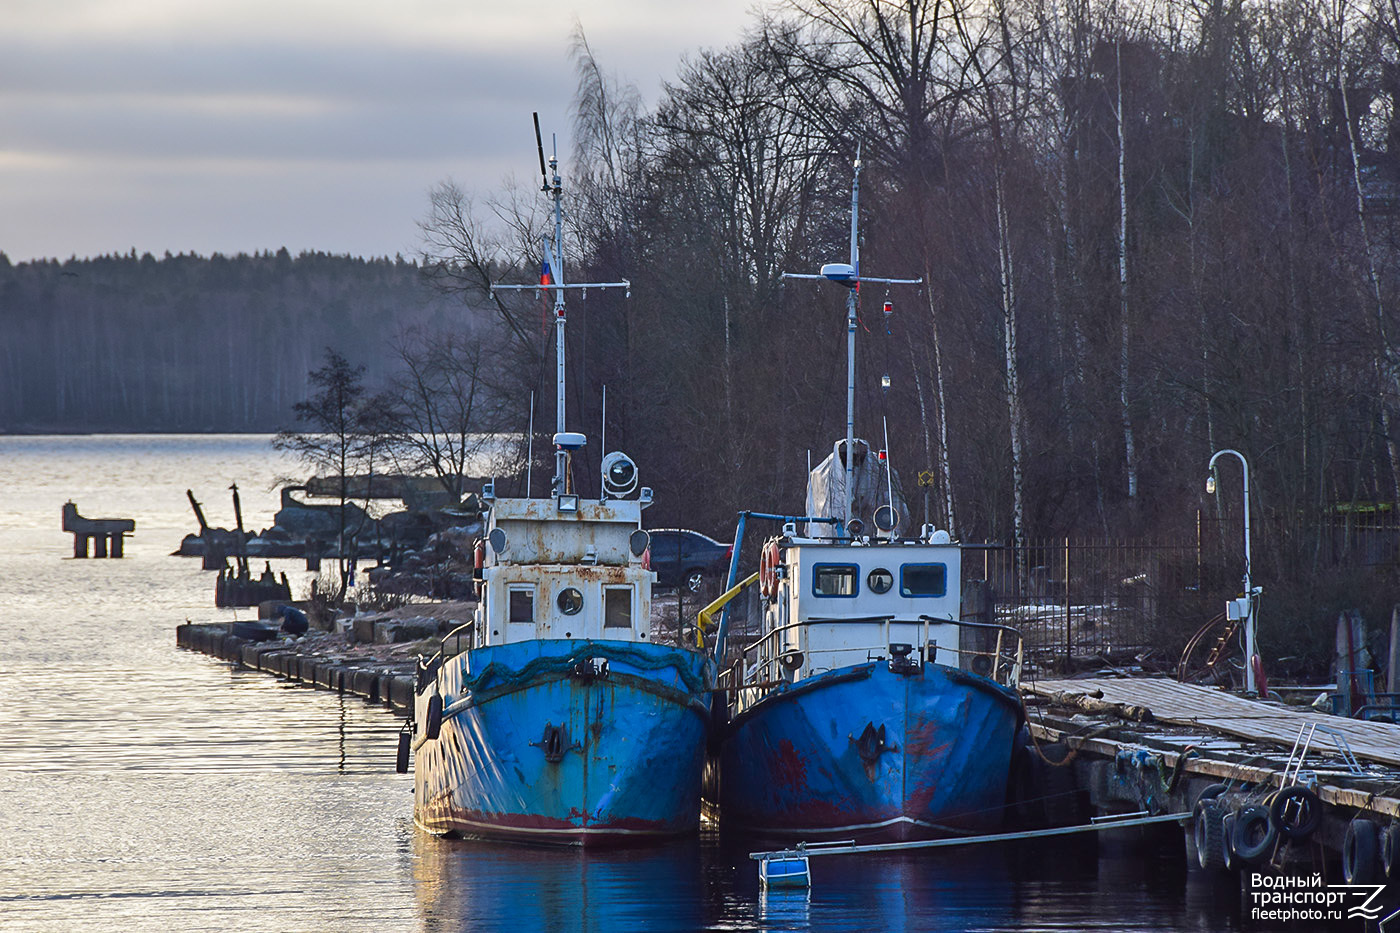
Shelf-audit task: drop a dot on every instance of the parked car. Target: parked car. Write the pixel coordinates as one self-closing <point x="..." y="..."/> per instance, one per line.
<point x="684" y="558"/>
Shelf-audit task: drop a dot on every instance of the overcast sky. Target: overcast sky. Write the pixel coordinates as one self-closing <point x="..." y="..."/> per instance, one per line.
<point x="243" y="125"/>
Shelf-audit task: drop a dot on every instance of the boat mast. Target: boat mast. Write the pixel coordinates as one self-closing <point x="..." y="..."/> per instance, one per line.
<point x="849" y="276"/>
<point x="554" y="258"/>
<point x="852" y="298"/>
<point x="555" y="187"/>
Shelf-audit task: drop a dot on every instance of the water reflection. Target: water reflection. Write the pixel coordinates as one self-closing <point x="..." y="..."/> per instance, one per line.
<point x="785" y="909"/>
<point x="476" y="885"/>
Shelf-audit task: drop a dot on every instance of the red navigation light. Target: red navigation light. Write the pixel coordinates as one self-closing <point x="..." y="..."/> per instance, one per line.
<point x="883" y="456"/>
<point x="889" y="308"/>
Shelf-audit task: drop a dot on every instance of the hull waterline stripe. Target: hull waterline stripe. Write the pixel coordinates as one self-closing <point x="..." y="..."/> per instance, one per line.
<point x="496" y="829"/>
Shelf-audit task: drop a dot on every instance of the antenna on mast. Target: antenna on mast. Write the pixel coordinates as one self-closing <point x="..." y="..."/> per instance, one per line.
<point x="539" y="144"/>
<point x="848" y="275"/>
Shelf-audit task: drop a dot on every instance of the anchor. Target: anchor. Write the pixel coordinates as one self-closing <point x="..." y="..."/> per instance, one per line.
<point x="554" y="743"/>
<point x="870" y="746"/>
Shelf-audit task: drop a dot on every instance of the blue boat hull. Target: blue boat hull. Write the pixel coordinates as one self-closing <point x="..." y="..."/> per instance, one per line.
<point x="865" y="752"/>
<point x="541" y="743"/>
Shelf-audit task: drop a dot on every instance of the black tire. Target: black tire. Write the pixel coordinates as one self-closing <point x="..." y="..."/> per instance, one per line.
<point x="1212" y="791"/>
<point x="1296" y="812"/>
<point x="433" y="724"/>
<point x="1254" y="835"/>
<point x="1390" y="852"/>
<point x="401" y="764"/>
<point x="1360" y="853"/>
<point x="1210" y="835"/>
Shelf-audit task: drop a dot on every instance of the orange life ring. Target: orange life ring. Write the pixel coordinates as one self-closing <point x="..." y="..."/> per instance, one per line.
<point x="768" y="569"/>
<point x="479" y="555"/>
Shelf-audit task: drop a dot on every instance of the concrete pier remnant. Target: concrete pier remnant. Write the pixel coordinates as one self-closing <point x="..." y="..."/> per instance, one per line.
<point x="106" y="534"/>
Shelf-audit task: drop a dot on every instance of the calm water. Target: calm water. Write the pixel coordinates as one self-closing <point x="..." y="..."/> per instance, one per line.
<point x="144" y="788"/>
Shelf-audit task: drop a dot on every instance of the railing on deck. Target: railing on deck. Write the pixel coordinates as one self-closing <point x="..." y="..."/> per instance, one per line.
<point x="996" y="651"/>
<point x="455" y="642"/>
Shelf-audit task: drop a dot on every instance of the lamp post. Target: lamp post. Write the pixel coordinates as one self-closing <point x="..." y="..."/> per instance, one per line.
<point x="1246" y="605"/>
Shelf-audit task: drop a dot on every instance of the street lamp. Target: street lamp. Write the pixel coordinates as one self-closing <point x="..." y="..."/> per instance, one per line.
<point x="1242" y="609"/>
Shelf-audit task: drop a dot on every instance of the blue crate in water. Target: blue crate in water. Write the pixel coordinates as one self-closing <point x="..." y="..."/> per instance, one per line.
<point x="785" y="871"/>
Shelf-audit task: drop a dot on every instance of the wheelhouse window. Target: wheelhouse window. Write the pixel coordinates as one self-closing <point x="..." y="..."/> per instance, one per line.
<point x="521" y="604"/>
<point x="923" y="580"/>
<point x="879" y="580"/>
<point x="617" y="607"/>
<point x="570" y="601"/>
<point x="841" y="580"/>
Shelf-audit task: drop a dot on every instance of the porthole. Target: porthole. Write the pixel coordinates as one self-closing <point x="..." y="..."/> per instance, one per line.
<point x="570" y="601"/>
<point x="879" y="580"/>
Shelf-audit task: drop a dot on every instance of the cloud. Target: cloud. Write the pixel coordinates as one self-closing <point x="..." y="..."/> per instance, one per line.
<point x="122" y="119"/>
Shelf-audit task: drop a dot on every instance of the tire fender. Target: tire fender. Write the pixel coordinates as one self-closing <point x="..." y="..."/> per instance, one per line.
<point x="1210" y="835"/>
<point x="1254" y="835"/>
<point x="1390" y="852"/>
<point x="432" y="726"/>
<point x="1296" y="812"/>
<point x="1360" y="852"/>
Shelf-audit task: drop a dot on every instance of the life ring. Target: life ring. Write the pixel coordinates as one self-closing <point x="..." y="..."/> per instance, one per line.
<point x="768" y="569"/>
<point x="478" y="562"/>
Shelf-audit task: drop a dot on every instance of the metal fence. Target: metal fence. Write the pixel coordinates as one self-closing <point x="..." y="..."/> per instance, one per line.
<point x="1081" y="601"/>
<point x="1076" y="601"/>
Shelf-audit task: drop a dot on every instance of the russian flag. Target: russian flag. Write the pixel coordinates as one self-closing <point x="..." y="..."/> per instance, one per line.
<point x="546" y="280"/>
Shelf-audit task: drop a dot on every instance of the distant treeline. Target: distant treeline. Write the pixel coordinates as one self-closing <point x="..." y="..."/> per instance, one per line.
<point x="194" y="343"/>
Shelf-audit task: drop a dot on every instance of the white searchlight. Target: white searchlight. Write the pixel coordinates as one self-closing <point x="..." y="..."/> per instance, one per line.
<point x="619" y="474"/>
<point x="842" y="273"/>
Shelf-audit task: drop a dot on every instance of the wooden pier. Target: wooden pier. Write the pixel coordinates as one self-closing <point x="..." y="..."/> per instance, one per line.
<point x="1209" y="708"/>
<point x="1147" y="745"/>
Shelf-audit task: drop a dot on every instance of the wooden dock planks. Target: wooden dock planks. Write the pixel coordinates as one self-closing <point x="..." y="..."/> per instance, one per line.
<point x="1210" y="708"/>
